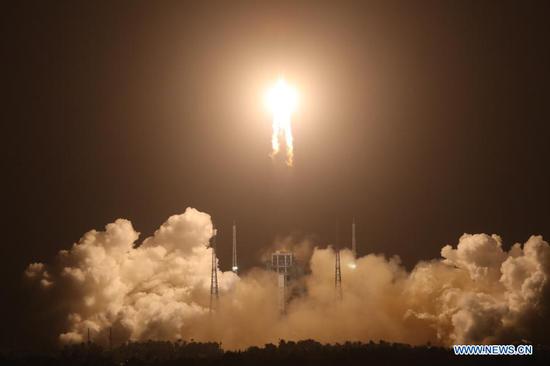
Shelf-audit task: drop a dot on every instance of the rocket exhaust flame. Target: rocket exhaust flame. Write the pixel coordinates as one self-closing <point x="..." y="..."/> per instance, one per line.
<point x="282" y="100"/>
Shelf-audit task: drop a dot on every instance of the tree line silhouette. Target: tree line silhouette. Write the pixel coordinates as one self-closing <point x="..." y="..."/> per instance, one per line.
<point x="306" y="352"/>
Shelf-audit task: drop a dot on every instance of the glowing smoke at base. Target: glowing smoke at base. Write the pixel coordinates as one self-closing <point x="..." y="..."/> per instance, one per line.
<point x="282" y="100"/>
<point x="477" y="293"/>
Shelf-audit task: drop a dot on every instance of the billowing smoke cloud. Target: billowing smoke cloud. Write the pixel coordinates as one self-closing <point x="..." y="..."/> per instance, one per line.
<point x="478" y="293"/>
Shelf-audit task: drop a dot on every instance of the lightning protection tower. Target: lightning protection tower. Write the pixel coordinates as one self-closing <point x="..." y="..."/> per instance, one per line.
<point x="235" y="267"/>
<point x="214" y="275"/>
<point x="338" y="275"/>
<point x="353" y="241"/>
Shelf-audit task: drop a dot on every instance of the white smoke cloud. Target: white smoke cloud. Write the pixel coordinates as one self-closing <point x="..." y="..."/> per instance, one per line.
<point x="478" y="293"/>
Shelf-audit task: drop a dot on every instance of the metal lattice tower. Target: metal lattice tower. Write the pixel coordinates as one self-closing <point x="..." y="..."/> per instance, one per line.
<point x="338" y="275"/>
<point x="214" y="275"/>
<point x="353" y="241"/>
<point x="235" y="267"/>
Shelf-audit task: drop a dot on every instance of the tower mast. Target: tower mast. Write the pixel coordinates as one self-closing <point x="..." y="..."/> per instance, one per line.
<point x="214" y="274"/>
<point x="353" y="241"/>
<point x="338" y="275"/>
<point x="235" y="267"/>
<point x="337" y="270"/>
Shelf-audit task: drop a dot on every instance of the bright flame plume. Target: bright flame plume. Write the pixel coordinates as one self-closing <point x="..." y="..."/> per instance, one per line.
<point x="282" y="100"/>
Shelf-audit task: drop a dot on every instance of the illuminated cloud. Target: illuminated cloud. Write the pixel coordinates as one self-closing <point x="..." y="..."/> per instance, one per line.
<point x="477" y="292"/>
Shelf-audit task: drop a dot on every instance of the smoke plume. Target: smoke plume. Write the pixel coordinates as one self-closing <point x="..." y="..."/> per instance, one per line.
<point x="159" y="289"/>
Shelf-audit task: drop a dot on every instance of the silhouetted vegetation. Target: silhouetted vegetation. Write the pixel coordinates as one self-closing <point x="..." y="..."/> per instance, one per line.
<point x="307" y="352"/>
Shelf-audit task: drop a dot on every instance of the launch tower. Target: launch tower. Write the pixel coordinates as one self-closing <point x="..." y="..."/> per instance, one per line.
<point x="338" y="275"/>
<point x="214" y="274"/>
<point x="282" y="263"/>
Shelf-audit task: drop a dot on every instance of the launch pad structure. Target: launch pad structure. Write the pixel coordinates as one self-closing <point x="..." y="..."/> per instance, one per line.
<point x="282" y="263"/>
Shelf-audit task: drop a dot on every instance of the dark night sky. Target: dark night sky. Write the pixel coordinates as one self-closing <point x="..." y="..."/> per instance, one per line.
<point x="424" y="120"/>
